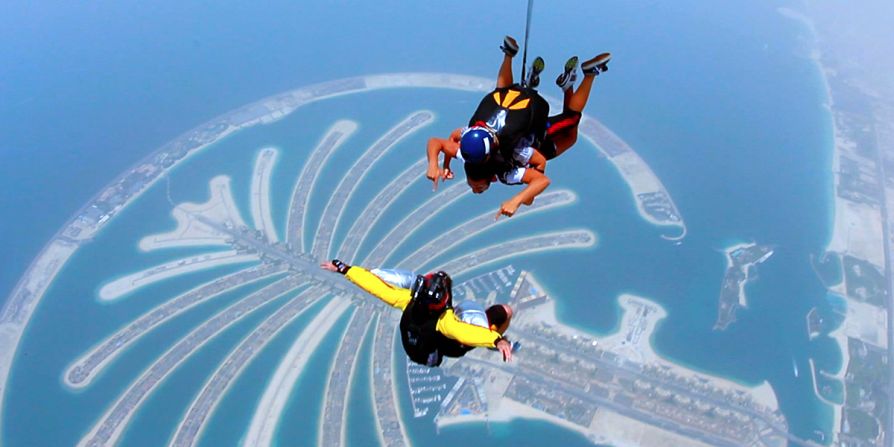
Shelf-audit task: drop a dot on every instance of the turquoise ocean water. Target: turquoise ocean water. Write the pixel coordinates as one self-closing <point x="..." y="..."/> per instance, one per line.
<point x="729" y="117"/>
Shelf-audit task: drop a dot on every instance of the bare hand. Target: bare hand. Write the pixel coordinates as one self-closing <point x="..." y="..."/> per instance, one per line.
<point x="434" y="174"/>
<point x="328" y="266"/>
<point x="508" y="208"/>
<point x="447" y="174"/>
<point x="506" y="349"/>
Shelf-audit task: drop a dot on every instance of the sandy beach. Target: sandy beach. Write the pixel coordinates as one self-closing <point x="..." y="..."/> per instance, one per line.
<point x="129" y="283"/>
<point x="192" y="220"/>
<point x="260" y="193"/>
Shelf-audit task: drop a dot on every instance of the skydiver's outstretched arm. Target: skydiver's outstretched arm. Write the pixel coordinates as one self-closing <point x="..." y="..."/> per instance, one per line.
<point x="472" y="335"/>
<point x="449" y="146"/>
<point x="535" y="182"/>
<point x="372" y="284"/>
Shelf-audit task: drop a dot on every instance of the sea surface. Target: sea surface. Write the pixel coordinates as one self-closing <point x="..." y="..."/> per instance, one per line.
<point x="720" y="103"/>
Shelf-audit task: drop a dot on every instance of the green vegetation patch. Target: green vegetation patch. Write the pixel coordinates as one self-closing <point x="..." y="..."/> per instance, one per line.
<point x="830" y="389"/>
<point x="866" y="388"/>
<point x="861" y="425"/>
<point x="864" y="281"/>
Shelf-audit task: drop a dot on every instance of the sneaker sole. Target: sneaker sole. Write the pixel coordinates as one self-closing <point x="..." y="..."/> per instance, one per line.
<point x="602" y="59"/>
<point x="538" y="65"/>
<point x="509" y="47"/>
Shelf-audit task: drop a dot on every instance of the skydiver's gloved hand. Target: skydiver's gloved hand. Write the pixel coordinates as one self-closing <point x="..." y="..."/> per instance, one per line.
<point x="335" y="266"/>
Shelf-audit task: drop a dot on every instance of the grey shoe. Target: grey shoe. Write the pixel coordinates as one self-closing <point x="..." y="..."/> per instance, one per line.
<point x="598" y="64"/>
<point x="510" y="46"/>
<point x="566" y="79"/>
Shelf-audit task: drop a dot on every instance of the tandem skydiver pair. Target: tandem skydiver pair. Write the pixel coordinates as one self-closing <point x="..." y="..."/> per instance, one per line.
<point x="509" y="138"/>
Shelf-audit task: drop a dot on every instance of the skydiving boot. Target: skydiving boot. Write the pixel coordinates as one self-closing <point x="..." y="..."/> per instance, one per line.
<point x="566" y="79"/>
<point x="510" y="46"/>
<point x="534" y="74"/>
<point x="598" y="64"/>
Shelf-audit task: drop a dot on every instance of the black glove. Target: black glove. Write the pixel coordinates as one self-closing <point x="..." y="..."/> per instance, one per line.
<point x="341" y="266"/>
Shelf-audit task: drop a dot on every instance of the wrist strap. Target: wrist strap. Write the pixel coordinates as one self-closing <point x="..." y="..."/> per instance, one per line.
<point x="341" y="266"/>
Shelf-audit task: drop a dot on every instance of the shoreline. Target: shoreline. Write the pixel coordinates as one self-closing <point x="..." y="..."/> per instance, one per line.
<point x="260" y="193"/>
<point x="642" y="348"/>
<point x="857" y="230"/>
<point x="192" y="227"/>
<point x="127" y="284"/>
<point x="632" y="344"/>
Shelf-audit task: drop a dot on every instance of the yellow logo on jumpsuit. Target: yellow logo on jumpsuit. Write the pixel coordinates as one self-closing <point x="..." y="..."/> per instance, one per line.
<point x="506" y="102"/>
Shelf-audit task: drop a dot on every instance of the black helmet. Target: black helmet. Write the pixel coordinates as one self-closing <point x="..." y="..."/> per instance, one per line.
<point x="432" y="290"/>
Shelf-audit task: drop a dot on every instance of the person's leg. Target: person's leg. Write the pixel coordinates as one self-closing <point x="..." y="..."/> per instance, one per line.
<point x="578" y="100"/>
<point x="510" y="49"/>
<point x="563" y="128"/>
<point x="591" y="69"/>
<point x="561" y="133"/>
<point x="504" y="77"/>
<point x="565" y="141"/>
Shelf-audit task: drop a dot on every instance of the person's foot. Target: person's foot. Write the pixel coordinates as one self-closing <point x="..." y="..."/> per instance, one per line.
<point x="566" y="79"/>
<point x="598" y="64"/>
<point x="534" y="75"/>
<point x="510" y="46"/>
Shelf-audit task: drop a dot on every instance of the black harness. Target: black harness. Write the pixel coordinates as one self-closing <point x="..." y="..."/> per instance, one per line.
<point x="513" y="113"/>
<point x="422" y="341"/>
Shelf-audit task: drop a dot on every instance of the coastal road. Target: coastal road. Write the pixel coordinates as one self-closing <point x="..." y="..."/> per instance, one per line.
<point x="889" y="285"/>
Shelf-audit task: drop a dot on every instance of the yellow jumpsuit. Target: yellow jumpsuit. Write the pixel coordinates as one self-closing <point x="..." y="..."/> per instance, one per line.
<point x="448" y="324"/>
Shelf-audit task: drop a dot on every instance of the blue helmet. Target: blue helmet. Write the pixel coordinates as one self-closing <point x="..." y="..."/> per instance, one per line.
<point x="476" y="143"/>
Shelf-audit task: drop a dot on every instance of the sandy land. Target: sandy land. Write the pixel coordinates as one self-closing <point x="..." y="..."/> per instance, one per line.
<point x="213" y="390"/>
<point x="297" y="223"/>
<point x="260" y="193"/>
<point x="641" y="180"/>
<point x="279" y="389"/>
<point x="743" y="298"/>
<point x="622" y="431"/>
<point x="606" y="426"/>
<point x="855" y="228"/>
<point x="858" y="231"/>
<point x="191" y="231"/>
<point x="128" y="283"/>
<point x="361" y="316"/>
<point x="342" y="194"/>
<point x="21" y="303"/>
<point x="112" y="345"/>
<point x="504" y="411"/>
<point x="633" y="341"/>
<point x="866" y="322"/>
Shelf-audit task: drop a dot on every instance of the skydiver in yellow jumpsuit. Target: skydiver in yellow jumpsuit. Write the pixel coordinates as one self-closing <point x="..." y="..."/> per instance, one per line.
<point x="429" y="329"/>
